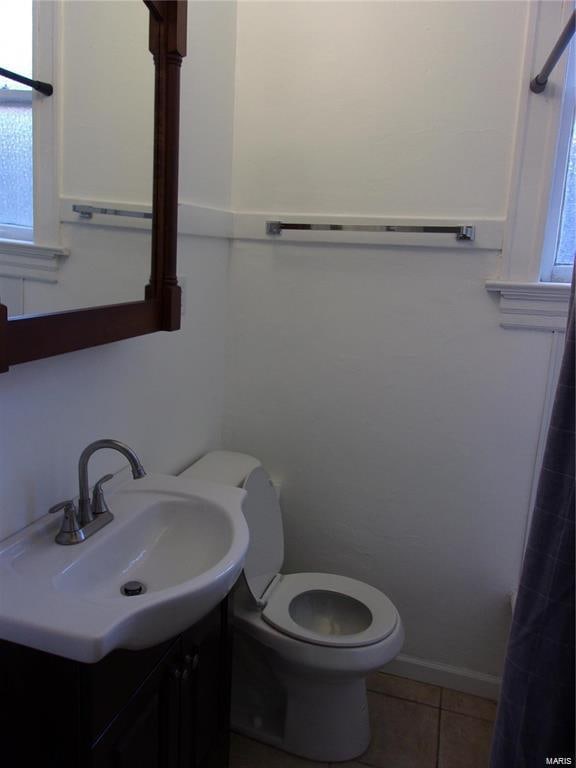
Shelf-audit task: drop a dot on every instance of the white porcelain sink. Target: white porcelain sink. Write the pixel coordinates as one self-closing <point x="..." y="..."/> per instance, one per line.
<point x="184" y="539"/>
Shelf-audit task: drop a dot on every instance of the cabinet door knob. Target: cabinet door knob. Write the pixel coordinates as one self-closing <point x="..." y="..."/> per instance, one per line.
<point x="175" y="673"/>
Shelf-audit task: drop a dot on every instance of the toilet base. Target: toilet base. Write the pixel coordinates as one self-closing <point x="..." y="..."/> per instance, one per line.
<point x="320" y="718"/>
<point x="328" y="724"/>
<point x="326" y="721"/>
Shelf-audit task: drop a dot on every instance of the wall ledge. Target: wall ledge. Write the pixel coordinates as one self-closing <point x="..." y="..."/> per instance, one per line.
<point x="198" y="220"/>
<point x="193" y="219"/>
<point x="532" y="306"/>
<point x="28" y="260"/>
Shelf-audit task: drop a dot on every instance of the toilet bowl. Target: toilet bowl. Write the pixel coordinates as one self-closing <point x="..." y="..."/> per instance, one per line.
<point x="304" y="642"/>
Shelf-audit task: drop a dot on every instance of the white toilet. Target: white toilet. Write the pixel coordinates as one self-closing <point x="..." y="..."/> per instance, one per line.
<point x="304" y="642"/>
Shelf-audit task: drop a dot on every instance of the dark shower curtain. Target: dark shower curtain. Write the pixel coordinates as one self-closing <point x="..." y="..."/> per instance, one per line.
<point x="535" y="720"/>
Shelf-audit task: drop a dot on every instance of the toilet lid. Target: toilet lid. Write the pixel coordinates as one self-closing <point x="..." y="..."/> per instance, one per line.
<point x="326" y="609"/>
<point x="264" y="518"/>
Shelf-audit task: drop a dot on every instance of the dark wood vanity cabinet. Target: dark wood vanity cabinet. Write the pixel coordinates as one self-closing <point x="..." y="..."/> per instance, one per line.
<point x="163" y="707"/>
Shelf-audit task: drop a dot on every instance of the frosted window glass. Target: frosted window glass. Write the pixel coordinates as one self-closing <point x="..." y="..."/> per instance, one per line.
<point x="16" y="175"/>
<point x="16" y="164"/>
<point x="567" y="238"/>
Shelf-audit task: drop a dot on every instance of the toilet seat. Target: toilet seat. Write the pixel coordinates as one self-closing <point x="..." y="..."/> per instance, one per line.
<point x="316" y="608"/>
<point x="351" y="613"/>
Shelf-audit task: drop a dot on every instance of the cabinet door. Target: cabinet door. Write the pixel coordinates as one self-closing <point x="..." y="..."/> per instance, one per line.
<point x="40" y="716"/>
<point x="145" y="733"/>
<point x="107" y="686"/>
<point x="205" y="701"/>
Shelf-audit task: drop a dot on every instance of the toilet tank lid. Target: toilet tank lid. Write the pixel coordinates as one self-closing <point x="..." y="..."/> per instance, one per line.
<point x="225" y="467"/>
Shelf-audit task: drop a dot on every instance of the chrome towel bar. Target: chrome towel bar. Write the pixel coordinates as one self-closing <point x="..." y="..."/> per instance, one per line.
<point x="87" y="211"/>
<point x="465" y="232"/>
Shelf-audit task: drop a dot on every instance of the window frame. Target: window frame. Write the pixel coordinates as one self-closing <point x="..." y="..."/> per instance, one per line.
<point x="542" y="127"/>
<point x="45" y="111"/>
<point x="46" y="225"/>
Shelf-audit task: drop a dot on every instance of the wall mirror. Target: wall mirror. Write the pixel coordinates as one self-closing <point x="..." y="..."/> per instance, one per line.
<point x="119" y="115"/>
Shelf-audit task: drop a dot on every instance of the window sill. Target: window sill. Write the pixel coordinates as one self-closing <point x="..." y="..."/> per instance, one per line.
<point x="532" y="306"/>
<point x="561" y="273"/>
<point x="19" y="258"/>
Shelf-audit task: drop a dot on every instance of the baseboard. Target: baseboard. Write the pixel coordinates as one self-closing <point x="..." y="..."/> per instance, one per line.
<point x="445" y="675"/>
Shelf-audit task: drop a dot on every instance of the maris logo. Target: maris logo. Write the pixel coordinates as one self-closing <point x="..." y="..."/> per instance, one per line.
<point x="558" y="761"/>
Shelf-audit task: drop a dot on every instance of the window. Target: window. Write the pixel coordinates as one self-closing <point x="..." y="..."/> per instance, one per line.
<point x="16" y="130"/>
<point x="560" y="238"/>
<point x="29" y="196"/>
<point x="533" y="278"/>
<point x="540" y="224"/>
<point x="559" y="235"/>
<point x="567" y="235"/>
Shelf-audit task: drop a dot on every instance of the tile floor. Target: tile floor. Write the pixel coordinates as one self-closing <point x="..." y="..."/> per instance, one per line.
<point x="414" y="725"/>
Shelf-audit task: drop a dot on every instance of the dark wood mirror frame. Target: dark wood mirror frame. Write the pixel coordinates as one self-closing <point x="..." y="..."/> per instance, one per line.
<point x="33" y="337"/>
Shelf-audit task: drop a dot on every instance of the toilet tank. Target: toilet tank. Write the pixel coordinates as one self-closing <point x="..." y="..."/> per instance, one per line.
<point x="224" y="467"/>
<point x="261" y="509"/>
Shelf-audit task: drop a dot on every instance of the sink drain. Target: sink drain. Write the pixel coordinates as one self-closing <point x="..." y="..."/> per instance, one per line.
<point x="132" y="588"/>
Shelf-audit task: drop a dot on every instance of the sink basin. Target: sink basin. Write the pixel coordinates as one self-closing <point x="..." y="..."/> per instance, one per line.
<point x="184" y="540"/>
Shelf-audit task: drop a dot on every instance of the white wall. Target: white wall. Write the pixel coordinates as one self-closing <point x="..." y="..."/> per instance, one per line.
<point x="376" y="382"/>
<point x="208" y="97"/>
<point x="391" y="108"/>
<point x="402" y="422"/>
<point x="106" y="97"/>
<point x="161" y="394"/>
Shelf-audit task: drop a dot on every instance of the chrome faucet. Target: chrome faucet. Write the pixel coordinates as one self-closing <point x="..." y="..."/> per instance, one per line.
<point x="79" y="524"/>
<point x="86" y="512"/>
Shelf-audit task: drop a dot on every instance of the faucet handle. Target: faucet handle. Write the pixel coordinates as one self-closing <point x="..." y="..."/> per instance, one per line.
<point x="63" y="505"/>
<point x="70" y="531"/>
<point x="99" y="506"/>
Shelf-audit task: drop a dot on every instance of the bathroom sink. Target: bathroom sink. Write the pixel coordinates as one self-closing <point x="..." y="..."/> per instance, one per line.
<point x="173" y="551"/>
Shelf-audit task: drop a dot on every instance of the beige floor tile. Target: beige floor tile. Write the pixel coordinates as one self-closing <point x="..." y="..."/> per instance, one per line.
<point x="464" y="741"/>
<point x="404" y="734"/>
<point x="465" y="704"/>
<point x="403" y="688"/>
<point x="247" y="753"/>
